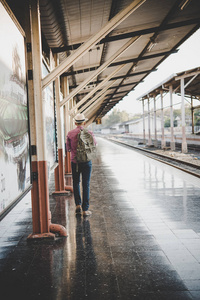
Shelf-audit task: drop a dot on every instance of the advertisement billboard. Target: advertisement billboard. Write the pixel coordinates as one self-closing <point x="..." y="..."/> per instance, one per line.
<point x="48" y="98"/>
<point x="14" y="135"/>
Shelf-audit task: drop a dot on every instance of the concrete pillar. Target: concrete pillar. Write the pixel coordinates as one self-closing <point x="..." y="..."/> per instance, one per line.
<point x="184" y="142"/>
<point x="155" y="124"/>
<point x="149" y="124"/>
<point x="172" y="142"/>
<point x="143" y="113"/>
<point x="163" y="143"/>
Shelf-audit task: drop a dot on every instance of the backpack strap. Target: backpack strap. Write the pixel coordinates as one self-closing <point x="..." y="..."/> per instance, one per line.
<point x="77" y="162"/>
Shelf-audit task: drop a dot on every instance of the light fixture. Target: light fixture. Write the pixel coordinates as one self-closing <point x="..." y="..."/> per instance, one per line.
<point x="184" y="4"/>
<point x="152" y="44"/>
<point x="134" y="68"/>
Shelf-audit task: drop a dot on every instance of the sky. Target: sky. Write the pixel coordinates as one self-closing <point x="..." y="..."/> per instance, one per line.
<point x="188" y="57"/>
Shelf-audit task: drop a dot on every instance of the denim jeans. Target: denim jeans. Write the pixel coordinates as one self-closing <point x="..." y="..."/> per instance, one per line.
<point x="85" y="169"/>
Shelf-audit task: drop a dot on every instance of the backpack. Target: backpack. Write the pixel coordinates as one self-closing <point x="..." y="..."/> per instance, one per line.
<point x="86" y="148"/>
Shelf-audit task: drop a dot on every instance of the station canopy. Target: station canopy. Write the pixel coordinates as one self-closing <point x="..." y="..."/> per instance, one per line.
<point x="147" y="36"/>
<point x="191" y="85"/>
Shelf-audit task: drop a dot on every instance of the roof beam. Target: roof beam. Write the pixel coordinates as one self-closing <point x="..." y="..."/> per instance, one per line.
<point x="113" y="87"/>
<point x="131" y="60"/>
<point x="99" y="70"/>
<point x="113" y="99"/>
<point x="131" y="34"/>
<point x="98" y="106"/>
<point x="100" y="111"/>
<point x="160" y="28"/>
<point x="133" y="74"/>
<point x="135" y="60"/>
<point x="71" y="59"/>
<point x="186" y="75"/>
<point x="96" y="89"/>
<point x="118" y="94"/>
<point x="94" y="105"/>
<point x="83" y="94"/>
<point x="80" y="71"/>
<point x="127" y="84"/>
<point x="90" y="121"/>
<point x="103" y="92"/>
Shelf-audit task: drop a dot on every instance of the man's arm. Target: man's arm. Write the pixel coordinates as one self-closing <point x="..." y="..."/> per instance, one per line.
<point x="68" y="145"/>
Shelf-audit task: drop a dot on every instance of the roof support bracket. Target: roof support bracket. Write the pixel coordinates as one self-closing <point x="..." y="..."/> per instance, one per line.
<point x="190" y="80"/>
<point x="103" y="92"/>
<point x="70" y="60"/>
<point x="99" y="70"/>
<point x="96" y="88"/>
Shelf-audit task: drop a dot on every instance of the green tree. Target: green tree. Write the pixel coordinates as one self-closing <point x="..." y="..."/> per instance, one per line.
<point x="197" y="117"/>
<point x="115" y="117"/>
<point x="167" y="122"/>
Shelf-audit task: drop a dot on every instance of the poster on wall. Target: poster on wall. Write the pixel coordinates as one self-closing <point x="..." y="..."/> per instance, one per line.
<point x="14" y="136"/>
<point x="48" y="98"/>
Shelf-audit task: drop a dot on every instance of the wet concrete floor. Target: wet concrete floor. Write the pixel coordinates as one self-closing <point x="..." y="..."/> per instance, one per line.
<point x="141" y="242"/>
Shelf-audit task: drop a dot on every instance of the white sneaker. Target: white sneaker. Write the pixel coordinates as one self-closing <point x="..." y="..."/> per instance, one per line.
<point x="87" y="213"/>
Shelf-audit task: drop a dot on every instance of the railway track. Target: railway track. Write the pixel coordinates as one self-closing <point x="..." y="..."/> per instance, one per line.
<point x="187" y="167"/>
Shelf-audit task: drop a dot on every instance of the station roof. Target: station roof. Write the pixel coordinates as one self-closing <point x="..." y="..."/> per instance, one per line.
<point x="158" y="26"/>
<point x="191" y="83"/>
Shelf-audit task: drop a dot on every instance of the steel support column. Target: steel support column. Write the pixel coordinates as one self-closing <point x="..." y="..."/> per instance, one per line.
<point x="65" y="90"/>
<point x="34" y="191"/>
<point x="155" y="124"/>
<point x="192" y="114"/>
<point x="40" y="194"/>
<point x="71" y="123"/>
<point x="184" y="142"/>
<point x="172" y="142"/>
<point x="163" y="144"/>
<point x="59" y="176"/>
<point x="143" y="113"/>
<point x="149" y="124"/>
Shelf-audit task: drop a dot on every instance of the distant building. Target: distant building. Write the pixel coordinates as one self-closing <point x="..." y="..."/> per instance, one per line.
<point x="133" y="126"/>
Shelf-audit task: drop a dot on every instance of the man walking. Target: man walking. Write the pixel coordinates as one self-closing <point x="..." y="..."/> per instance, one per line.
<point x="78" y="168"/>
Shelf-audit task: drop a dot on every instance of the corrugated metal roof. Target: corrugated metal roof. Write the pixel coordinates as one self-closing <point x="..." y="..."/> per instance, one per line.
<point x="162" y="27"/>
<point x="191" y="82"/>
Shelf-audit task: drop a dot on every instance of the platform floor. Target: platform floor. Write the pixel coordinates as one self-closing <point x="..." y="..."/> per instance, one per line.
<point x="141" y="242"/>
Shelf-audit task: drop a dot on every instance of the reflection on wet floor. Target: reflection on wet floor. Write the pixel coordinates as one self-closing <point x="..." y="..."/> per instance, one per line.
<point x="141" y="242"/>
